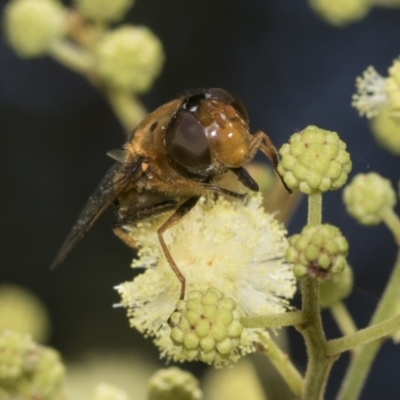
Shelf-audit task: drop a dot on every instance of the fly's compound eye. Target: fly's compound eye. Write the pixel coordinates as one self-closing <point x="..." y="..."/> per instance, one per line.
<point x="229" y="98"/>
<point x="186" y="141"/>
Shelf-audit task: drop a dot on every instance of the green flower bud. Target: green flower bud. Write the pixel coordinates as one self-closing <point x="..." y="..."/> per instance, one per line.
<point x="341" y="12"/>
<point x="386" y="130"/>
<point x="14" y="351"/>
<point x="46" y="376"/>
<point x="129" y="58"/>
<point x="366" y="196"/>
<point x="336" y="288"/>
<point x="31" y="26"/>
<point x="21" y="311"/>
<point x="208" y="328"/>
<point x="319" y="251"/>
<point x="314" y="160"/>
<point x="174" y="384"/>
<point x="103" y="10"/>
<point x="108" y="392"/>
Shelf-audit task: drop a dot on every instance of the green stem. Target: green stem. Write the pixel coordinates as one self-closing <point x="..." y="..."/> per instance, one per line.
<point x="274" y="320"/>
<point x="392" y="221"/>
<point x="362" y="361"/>
<point x="72" y="56"/>
<point x="363" y="336"/>
<point x="128" y="108"/>
<point x="319" y="363"/>
<point x="343" y="318"/>
<point x="314" y="209"/>
<point x="282" y="363"/>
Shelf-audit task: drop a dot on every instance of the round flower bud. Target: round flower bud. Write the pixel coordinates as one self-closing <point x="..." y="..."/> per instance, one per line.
<point x="336" y="288"/>
<point x="108" y="392"/>
<point x="21" y="311"/>
<point x="45" y="376"/>
<point x="319" y="251"/>
<point x="173" y="384"/>
<point x="366" y="196"/>
<point x="31" y="26"/>
<point x="103" y="10"/>
<point x="386" y="130"/>
<point x="314" y="160"/>
<point x="208" y="328"/>
<point x="392" y="89"/>
<point x="341" y="12"/>
<point x="129" y="58"/>
<point x="14" y="350"/>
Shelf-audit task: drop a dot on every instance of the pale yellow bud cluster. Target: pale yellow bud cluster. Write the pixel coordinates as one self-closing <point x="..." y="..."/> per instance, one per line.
<point x="129" y="58"/>
<point x="206" y="326"/>
<point x="393" y="89"/>
<point x="104" y="391"/>
<point x="386" y="130"/>
<point x="340" y="12"/>
<point x="22" y="311"/>
<point x="103" y="10"/>
<point x="318" y="251"/>
<point x="28" y="370"/>
<point x="32" y="26"/>
<point x="122" y="61"/>
<point x="378" y="98"/>
<point x="314" y="160"/>
<point x="367" y="196"/>
<point x="174" y="384"/>
<point x="336" y="288"/>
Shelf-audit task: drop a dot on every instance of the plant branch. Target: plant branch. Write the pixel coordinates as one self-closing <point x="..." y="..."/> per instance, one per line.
<point x="343" y="318"/>
<point x="274" y="320"/>
<point x="319" y="363"/>
<point x="363" y="336"/>
<point x="392" y="221"/>
<point x="314" y="209"/>
<point x="282" y="363"/>
<point x="128" y="108"/>
<point x="73" y="57"/>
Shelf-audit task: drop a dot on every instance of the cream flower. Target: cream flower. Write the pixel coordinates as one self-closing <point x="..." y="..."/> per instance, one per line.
<point x="234" y="247"/>
<point x="371" y="94"/>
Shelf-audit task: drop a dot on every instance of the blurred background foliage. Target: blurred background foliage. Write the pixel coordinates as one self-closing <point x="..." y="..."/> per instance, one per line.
<point x="288" y="67"/>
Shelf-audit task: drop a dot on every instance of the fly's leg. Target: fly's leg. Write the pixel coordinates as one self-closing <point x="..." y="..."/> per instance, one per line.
<point x="181" y="211"/>
<point x="261" y="141"/>
<point x="124" y="235"/>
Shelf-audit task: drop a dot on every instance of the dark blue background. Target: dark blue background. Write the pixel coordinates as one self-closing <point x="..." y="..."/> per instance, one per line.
<point x="289" y="68"/>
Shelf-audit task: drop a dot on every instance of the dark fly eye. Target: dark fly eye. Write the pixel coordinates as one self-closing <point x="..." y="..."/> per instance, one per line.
<point x="186" y="141"/>
<point x="229" y="98"/>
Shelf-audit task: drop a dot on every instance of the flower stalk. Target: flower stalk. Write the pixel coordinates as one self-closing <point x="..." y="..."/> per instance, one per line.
<point x="282" y="363"/>
<point x="392" y="221"/>
<point x="72" y="56"/>
<point x="278" y="320"/>
<point x="343" y="318"/>
<point x="363" y="336"/>
<point x="128" y="108"/>
<point x="319" y="364"/>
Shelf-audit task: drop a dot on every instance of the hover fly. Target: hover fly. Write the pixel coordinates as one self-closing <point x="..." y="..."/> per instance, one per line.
<point x="177" y="153"/>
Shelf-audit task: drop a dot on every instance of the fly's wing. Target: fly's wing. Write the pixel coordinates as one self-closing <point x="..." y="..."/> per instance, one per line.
<point x="112" y="185"/>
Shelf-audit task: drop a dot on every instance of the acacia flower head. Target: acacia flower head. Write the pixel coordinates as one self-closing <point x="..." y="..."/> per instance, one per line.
<point x="234" y="247"/>
<point x="32" y="26"/>
<point x="371" y="94"/>
<point x="129" y="58"/>
<point x="340" y="12"/>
